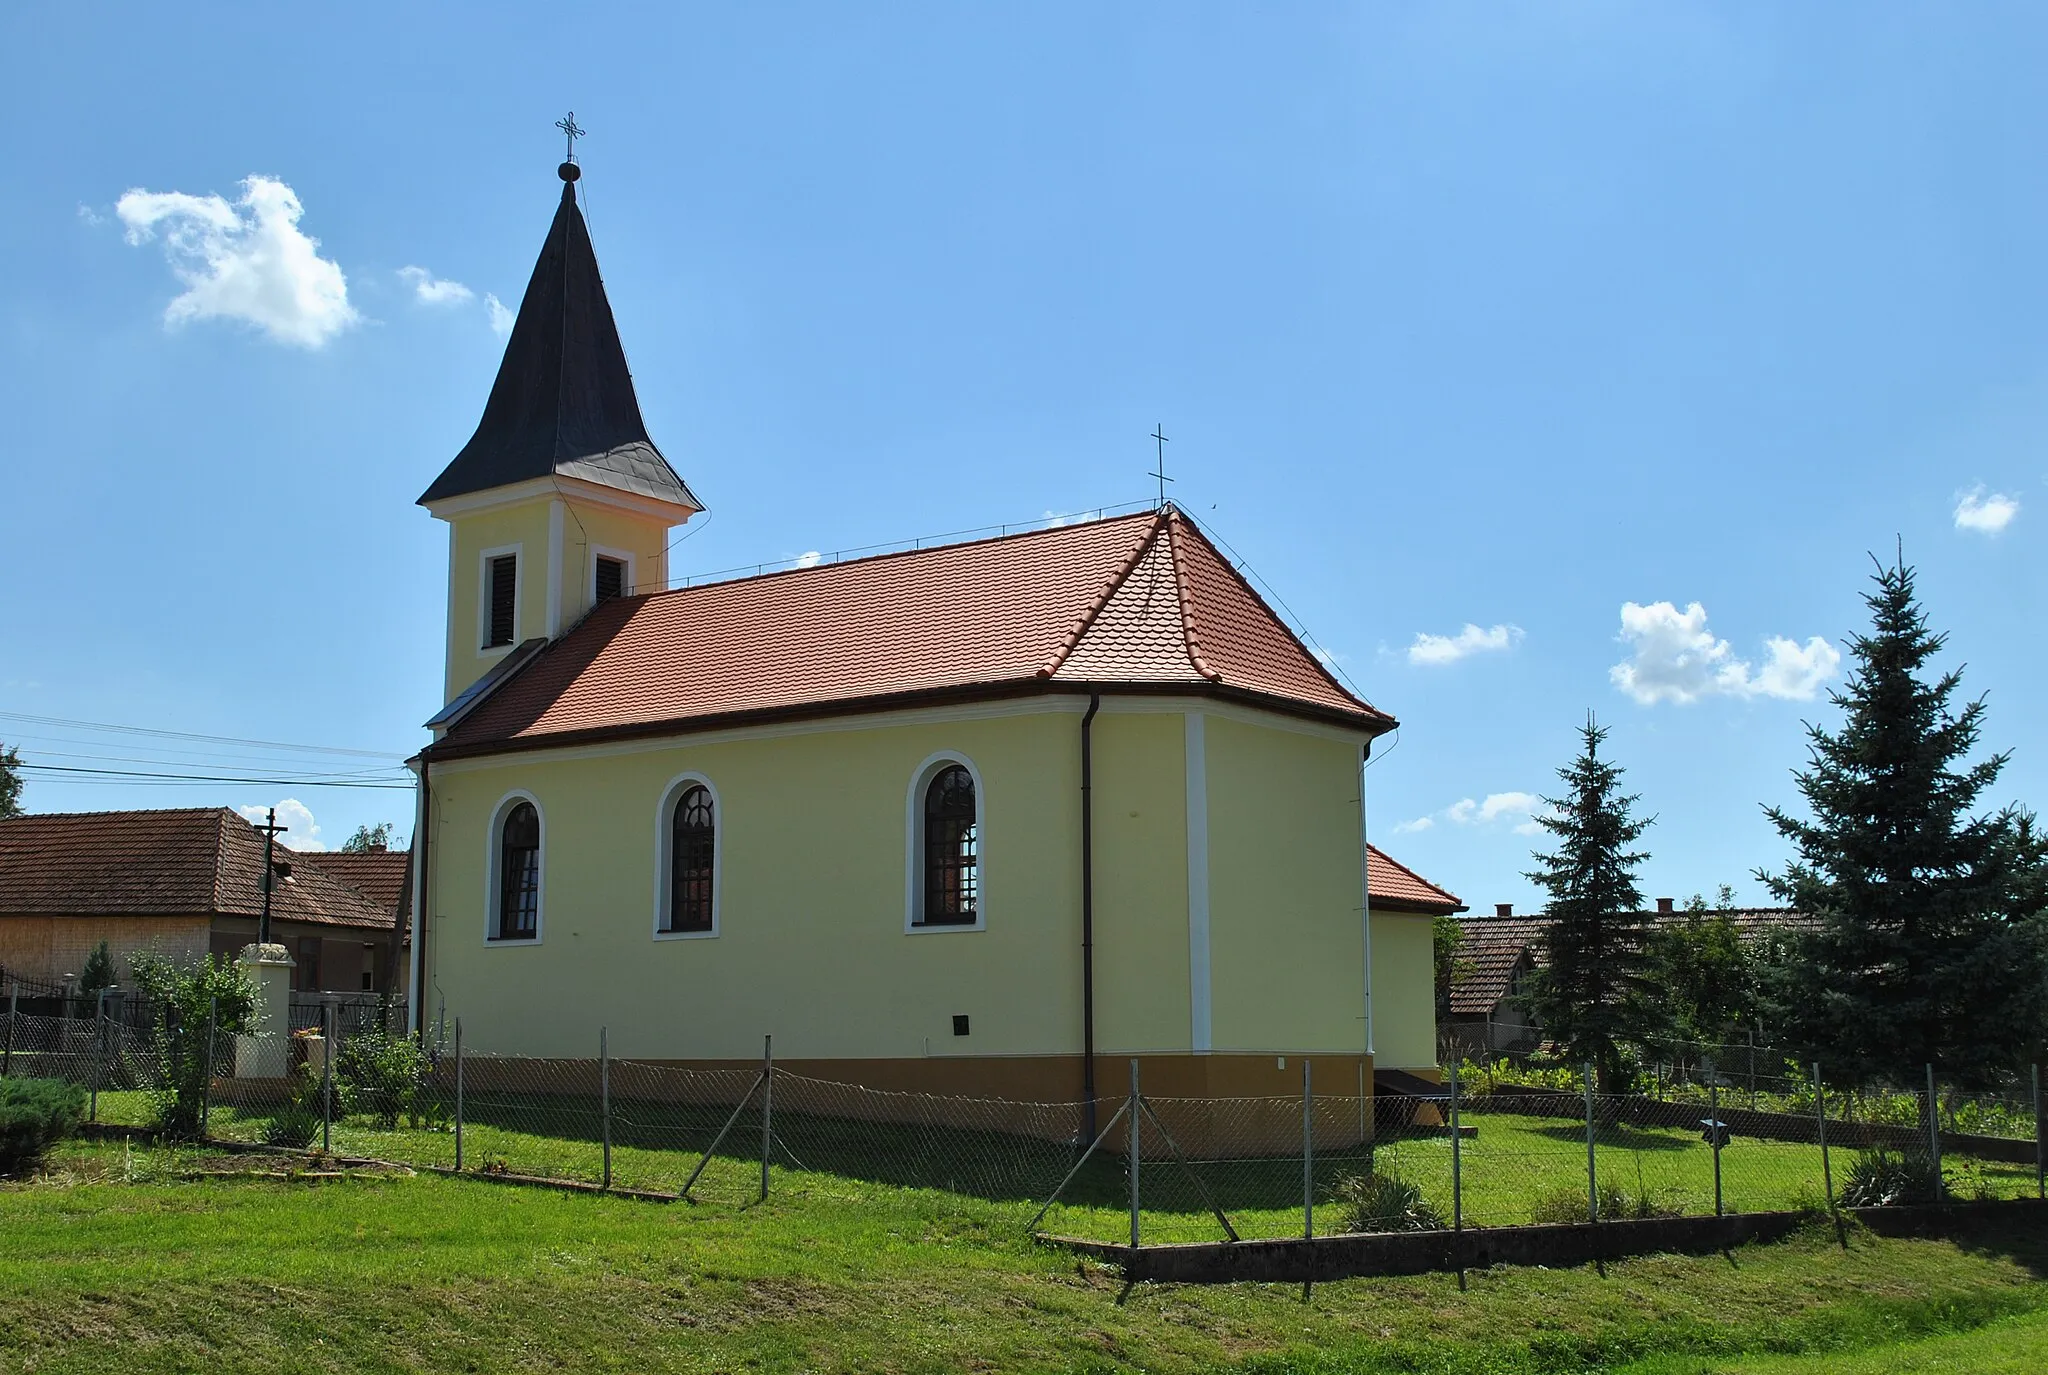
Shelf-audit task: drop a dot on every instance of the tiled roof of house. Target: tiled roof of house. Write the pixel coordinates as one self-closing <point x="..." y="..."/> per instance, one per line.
<point x="381" y="874"/>
<point x="1496" y="946"/>
<point x="201" y="861"/>
<point x="1134" y="602"/>
<point x="1397" y="888"/>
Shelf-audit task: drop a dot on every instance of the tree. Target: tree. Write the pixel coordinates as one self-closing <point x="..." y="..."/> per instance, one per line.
<point x="10" y="782"/>
<point x="1702" y="969"/>
<point x="98" y="972"/>
<point x="367" y="838"/>
<point x="1931" y="947"/>
<point x="1594" y="992"/>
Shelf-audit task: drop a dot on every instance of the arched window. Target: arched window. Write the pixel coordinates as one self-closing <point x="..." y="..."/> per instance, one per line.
<point x="693" y="850"/>
<point x="952" y="850"/>
<point x="518" y="915"/>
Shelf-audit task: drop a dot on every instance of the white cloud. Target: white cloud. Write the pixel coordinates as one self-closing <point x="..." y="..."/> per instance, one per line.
<point x="1678" y="659"/>
<point x="246" y="260"/>
<point x="808" y="559"/>
<point x="1517" y="810"/>
<point x="436" y="291"/>
<point x="501" y="318"/>
<point x="1448" y="649"/>
<point x="1985" y="512"/>
<point x="305" y="831"/>
<point x="93" y="218"/>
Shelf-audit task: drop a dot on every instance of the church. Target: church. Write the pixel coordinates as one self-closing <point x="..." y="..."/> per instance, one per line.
<point x="987" y="818"/>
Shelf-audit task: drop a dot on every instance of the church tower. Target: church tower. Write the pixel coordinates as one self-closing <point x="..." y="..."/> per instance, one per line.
<point x="560" y="499"/>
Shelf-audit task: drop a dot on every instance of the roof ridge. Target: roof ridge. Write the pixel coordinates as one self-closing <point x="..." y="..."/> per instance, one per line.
<point x="220" y="850"/>
<point x="821" y="566"/>
<point x="1314" y="659"/>
<point x="1187" y="606"/>
<point x="1090" y="613"/>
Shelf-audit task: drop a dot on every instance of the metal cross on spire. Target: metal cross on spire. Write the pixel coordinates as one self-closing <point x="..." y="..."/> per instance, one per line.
<point x="1159" y="434"/>
<point x="573" y="131"/>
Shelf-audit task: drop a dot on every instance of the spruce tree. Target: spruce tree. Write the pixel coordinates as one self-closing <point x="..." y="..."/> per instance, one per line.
<point x="1930" y="940"/>
<point x="10" y="782"/>
<point x="1593" y="992"/>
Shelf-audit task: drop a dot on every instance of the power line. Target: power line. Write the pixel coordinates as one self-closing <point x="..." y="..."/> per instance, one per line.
<point x="338" y="775"/>
<point x="187" y="735"/>
<point x="210" y="778"/>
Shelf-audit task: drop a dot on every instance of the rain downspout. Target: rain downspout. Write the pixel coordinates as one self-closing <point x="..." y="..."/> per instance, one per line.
<point x="1365" y="892"/>
<point x="415" y="991"/>
<point x="1088" y="909"/>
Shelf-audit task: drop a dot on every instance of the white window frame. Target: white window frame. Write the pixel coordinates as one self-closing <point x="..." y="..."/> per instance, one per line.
<point x="494" y="871"/>
<point x="913" y="864"/>
<point x="483" y="596"/>
<point x="625" y="556"/>
<point x="664" y="852"/>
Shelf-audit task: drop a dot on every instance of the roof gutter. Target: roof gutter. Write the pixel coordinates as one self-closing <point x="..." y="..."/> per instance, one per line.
<point x="446" y="749"/>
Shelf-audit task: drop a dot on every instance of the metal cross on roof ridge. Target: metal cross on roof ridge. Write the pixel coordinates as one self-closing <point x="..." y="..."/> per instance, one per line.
<point x="1159" y="433"/>
<point x="573" y="131"/>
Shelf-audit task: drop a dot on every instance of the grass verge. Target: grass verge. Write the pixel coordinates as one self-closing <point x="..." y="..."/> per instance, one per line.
<point x="132" y="1261"/>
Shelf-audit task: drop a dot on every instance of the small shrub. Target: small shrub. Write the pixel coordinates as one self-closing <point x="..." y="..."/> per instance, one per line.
<point x="381" y="1075"/>
<point x="189" y="999"/>
<point x="35" y="1114"/>
<point x="1385" y="1203"/>
<point x="298" y="1122"/>
<point x="1881" y="1178"/>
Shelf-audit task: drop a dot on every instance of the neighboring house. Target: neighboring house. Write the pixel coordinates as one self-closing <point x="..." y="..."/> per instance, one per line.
<point x="183" y="882"/>
<point x="385" y="876"/>
<point x="992" y="816"/>
<point x="1489" y="1009"/>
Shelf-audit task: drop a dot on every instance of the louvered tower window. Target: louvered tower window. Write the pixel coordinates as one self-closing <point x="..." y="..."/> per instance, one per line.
<point x="611" y="578"/>
<point x="504" y="598"/>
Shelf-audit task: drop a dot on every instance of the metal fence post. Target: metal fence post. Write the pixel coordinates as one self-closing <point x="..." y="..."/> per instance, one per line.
<point x="458" y="1095"/>
<point x="1820" y="1127"/>
<point x="767" y="1107"/>
<point x="1308" y="1153"/>
<point x="1457" y="1159"/>
<point x="13" y="1007"/>
<point x="1131" y="1130"/>
<point x="1934" y="1132"/>
<point x="206" y="1088"/>
<point x="2040" y="1141"/>
<point x="1714" y="1132"/>
<point x="327" y="1076"/>
<point x="604" y="1097"/>
<point x="99" y="1059"/>
<point x="1592" y="1171"/>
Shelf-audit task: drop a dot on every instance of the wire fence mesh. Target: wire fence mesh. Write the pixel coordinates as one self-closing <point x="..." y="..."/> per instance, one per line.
<point x="1487" y="1153"/>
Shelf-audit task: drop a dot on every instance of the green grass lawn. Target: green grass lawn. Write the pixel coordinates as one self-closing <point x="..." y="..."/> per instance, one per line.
<point x="2008" y="1346"/>
<point x="130" y="1260"/>
<point x="1510" y="1165"/>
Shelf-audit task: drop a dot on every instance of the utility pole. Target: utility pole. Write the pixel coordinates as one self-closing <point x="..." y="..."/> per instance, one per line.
<point x="270" y="831"/>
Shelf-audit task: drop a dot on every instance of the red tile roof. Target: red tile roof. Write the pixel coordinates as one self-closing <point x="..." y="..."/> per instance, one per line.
<point x="1397" y="888"/>
<point x="1496" y="946"/>
<point x="203" y="861"/>
<point x="1132" y="601"/>
<point x="382" y="875"/>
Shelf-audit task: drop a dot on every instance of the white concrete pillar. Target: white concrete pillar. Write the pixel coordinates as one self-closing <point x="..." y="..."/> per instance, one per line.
<point x="267" y="1054"/>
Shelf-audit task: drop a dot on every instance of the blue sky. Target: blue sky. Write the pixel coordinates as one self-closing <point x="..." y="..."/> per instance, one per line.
<point x="1457" y="316"/>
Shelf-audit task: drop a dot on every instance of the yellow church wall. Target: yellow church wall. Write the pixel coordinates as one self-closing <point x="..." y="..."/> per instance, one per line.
<point x="1141" y="878"/>
<point x="589" y="530"/>
<point x="524" y="525"/>
<point x="1404" y="991"/>
<point x="813" y="867"/>
<point x="1287" y="963"/>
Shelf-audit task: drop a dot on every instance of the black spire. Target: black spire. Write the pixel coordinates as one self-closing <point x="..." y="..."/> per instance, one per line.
<point x="563" y="402"/>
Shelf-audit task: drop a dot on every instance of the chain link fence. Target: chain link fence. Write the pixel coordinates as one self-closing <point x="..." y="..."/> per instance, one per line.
<point x="1480" y="1151"/>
